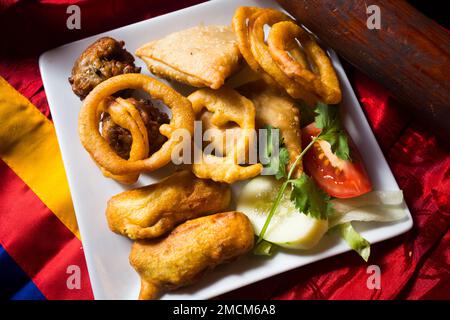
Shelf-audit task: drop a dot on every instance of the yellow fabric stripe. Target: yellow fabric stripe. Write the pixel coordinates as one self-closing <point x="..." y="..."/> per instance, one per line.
<point x="28" y="145"/>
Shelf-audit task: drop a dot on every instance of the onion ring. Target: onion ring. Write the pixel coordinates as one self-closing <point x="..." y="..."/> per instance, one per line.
<point x="286" y="52"/>
<point x="281" y="61"/>
<point x="101" y="151"/>
<point x="124" y="114"/>
<point x="240" y="27"/>
<point x="262" y="54"/>
<point x="227" y="106"/>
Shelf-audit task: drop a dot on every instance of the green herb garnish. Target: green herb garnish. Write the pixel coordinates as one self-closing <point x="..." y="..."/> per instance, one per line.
<point x="354" y="240"/>
<point x="333" y="132"/>
<point x="264" y="248"/>
<point x="276" y="163"/>
<point x="307" y="197"/>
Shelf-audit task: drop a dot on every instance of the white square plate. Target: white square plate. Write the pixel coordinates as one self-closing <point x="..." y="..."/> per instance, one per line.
<point x="111" y="275"/>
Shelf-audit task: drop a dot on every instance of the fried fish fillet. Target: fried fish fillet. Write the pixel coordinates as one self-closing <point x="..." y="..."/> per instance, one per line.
<point x="202" y="56"/>
<point x="278" y="110"/>
<point x="151" y="211"/>
<point x="189" y="251"/>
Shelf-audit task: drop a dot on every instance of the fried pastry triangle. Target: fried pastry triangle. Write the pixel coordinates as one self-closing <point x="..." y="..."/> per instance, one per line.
<point x="202" y="56"/>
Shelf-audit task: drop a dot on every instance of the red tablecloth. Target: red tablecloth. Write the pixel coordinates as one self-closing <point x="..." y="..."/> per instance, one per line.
<point x="414" y="265"/>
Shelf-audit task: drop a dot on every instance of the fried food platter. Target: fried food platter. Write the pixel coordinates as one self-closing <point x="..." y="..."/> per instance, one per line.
<point x="96" y="176"/>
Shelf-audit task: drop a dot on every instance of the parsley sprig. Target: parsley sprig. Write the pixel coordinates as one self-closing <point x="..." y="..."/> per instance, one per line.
<point x="306" y="196"/>
<point x="333" y="132"/>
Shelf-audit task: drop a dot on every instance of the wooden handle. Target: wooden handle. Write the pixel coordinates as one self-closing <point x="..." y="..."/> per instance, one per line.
<point x="409" y="54"/>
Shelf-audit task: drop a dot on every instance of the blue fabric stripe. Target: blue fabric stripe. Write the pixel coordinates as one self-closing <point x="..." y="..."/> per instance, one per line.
<point x="14" y="283"/>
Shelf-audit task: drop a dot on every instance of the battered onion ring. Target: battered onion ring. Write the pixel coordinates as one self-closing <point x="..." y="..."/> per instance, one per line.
<point x="286" y="52"/>
<point x="100" y="150"/>
<point x="263" y="56"/>
<point x="124" y="114"/>
<point x="227" y="106"/>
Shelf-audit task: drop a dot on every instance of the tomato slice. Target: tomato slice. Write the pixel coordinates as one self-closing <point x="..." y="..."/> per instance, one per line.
<point x="339" y="178"/>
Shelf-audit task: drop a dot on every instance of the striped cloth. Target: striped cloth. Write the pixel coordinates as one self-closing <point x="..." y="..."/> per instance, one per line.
<point x="39" y="236"/>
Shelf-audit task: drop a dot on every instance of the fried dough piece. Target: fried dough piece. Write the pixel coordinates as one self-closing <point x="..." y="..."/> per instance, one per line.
<point x="189" y="251"/>
<point x="278" y="110"/>
<point x="151" y="211"/>
<point x="229" y="110"/>
<point x="202" y="56"/>
<point x="222" y="139"/>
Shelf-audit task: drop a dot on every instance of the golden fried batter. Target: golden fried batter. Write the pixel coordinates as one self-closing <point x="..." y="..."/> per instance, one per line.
<point x="153" y="210"/>
<point x="189" y="251"/>
<point x="125" y="114"/>
<point x="227" y="107"/>
<point x="200" y="56"/>
<point x="120" y="139"/>
<point x="222" y="139"/>
<point x="100" y="150"/>
<point x="277" y="110"/>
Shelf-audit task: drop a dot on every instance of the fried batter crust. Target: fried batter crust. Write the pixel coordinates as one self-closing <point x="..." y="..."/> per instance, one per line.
<point x="200" y="56"/>
<point x="151" y="211"/>
<point x="103" y="59"/>
<point x="120" y="138"/>
<point x="189" y="251"/>
<point x="101" y="152"/>
<point x="278" y="110"/>
<point x="227" y="106"/>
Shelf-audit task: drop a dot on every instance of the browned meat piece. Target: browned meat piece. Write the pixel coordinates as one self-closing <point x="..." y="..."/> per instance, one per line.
<point x="120" y="139"/>
<point x="103" y="59"/>
<point x="151" y="211"/>
<point x="189" y="251"/>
